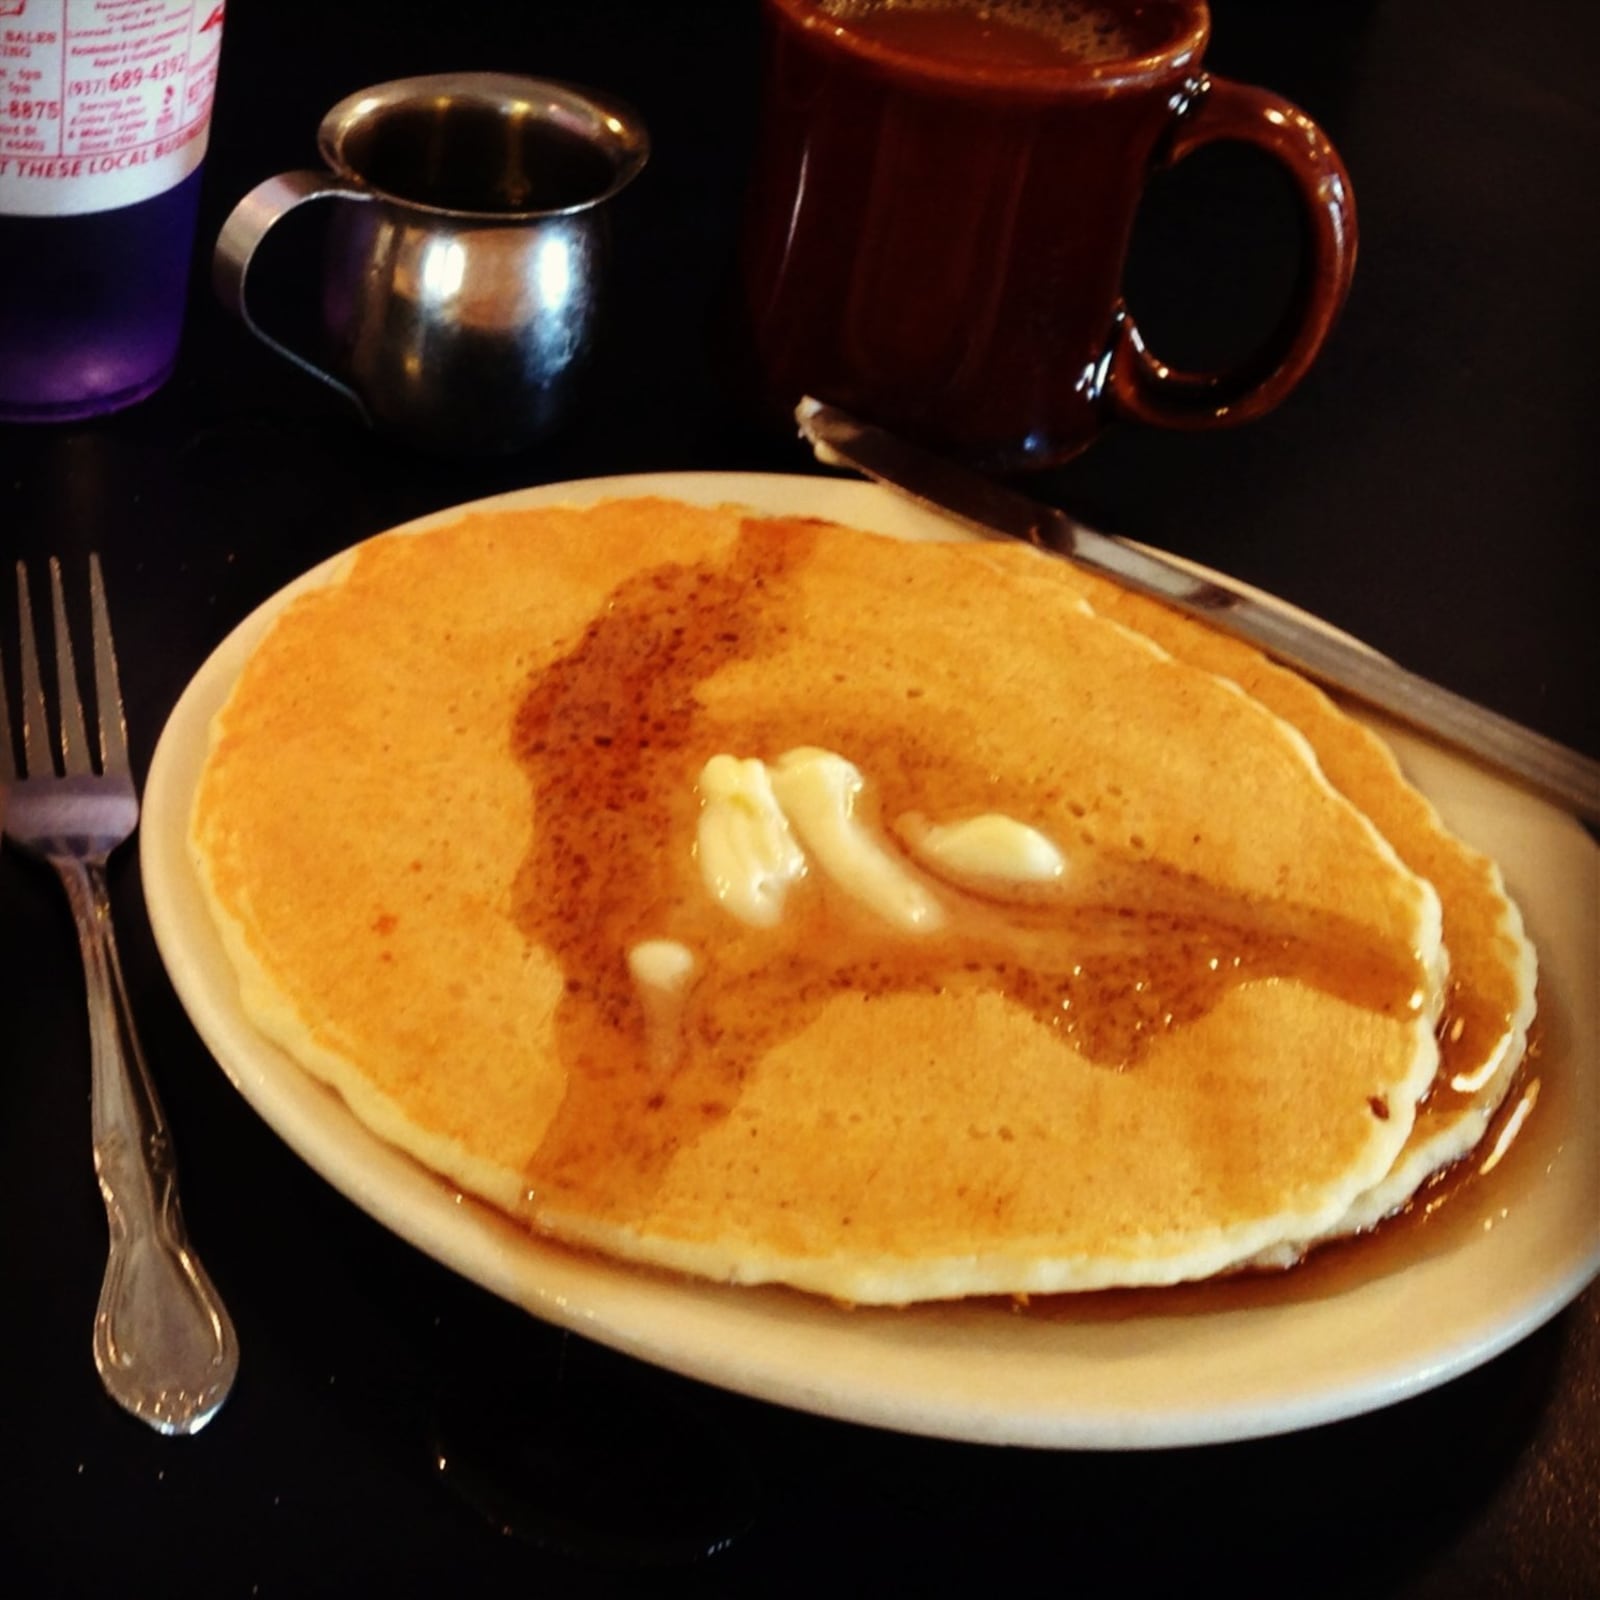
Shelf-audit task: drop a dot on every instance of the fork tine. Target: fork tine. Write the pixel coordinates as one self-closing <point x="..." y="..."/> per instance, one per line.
<point x="107" y="683"/>
<point x="8" y="754"/>
<point x="69" y="703"/>
<point x="36" y="756"/>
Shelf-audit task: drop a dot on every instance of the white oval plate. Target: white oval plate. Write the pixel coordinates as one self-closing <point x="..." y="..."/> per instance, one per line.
<point x="1108" y="1373"/>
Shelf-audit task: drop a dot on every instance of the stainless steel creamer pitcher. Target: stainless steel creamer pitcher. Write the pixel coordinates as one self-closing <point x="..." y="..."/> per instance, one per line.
<point x="466" y="260"/>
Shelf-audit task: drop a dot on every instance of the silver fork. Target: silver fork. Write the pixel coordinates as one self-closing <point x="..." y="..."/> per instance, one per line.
<point x="164" y="1345"/>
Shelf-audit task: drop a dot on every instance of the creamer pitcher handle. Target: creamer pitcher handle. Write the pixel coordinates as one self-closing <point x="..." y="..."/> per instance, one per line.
<point x="1144" y="388"/>
<point x="248" y="224"/>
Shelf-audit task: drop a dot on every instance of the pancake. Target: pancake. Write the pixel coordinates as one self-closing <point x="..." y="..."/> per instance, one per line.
<point x="1490" y="1001"/>
<point x="452" y="827"/>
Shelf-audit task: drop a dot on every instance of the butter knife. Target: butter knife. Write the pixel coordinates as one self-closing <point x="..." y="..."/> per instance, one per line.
<point x="997" y="512"/>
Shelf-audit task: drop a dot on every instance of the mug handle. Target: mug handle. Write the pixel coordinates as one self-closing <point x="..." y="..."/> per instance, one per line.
<point x="248" y="224"/>
<point x="1144" y="388"/>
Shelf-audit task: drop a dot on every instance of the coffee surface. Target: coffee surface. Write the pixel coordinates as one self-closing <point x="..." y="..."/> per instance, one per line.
<point x="1008" y="33"/>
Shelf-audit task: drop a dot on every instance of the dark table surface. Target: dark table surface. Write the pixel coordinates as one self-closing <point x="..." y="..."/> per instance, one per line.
<point x="1432" y="487"/>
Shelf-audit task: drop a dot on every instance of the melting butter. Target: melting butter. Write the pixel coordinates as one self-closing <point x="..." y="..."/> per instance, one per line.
<point x="984" y="850"/>
<point x="662" y="970"/>
<point x="748" y="855"/>
<point x="818" y="791"/>
<point x="751" y="814"/>
<point x="663" y="965"/>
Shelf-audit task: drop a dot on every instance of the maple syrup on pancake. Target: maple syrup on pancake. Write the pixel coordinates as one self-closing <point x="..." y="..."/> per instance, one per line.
<point x="612" y="737"/>
<point x="1450" y="1210"/>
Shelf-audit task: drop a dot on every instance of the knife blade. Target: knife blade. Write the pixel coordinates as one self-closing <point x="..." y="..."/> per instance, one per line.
<point x="998" y="512"/>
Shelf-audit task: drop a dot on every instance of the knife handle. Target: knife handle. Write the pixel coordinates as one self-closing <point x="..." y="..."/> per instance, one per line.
<point x="1146" y="389"/>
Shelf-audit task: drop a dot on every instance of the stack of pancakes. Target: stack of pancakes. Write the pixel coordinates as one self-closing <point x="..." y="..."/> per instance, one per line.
<point x="457" y="788"/>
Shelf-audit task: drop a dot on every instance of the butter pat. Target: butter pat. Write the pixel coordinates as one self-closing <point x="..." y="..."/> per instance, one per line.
<point x="748" y="855"/>
<point x="986" y="849"/>
<point x="662" y="971"/>
<point x="662" y="965"/>
<point x="818" y="791"/>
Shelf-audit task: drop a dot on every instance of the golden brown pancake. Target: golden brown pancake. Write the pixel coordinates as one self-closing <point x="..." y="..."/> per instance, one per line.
<point x="1490" y="1000"/>
<point x="456" y="787"/>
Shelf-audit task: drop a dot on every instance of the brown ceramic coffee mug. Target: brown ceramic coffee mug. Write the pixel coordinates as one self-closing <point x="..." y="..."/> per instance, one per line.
<point x="941" y="205"/>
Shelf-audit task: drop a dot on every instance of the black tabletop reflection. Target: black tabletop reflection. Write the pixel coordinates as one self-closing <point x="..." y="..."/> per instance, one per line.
<point x="1432" y="487"/>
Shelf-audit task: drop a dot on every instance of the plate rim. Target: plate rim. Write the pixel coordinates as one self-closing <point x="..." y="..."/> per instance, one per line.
<point x="793" y="1345"/>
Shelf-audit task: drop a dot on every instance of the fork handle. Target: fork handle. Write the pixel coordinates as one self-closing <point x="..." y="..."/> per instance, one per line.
<point x="164" y="1344"/>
